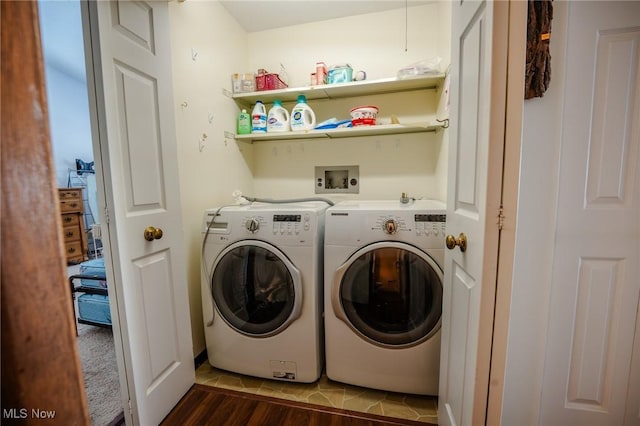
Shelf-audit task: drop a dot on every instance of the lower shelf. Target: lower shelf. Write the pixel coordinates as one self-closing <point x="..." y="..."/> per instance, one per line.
<point x="348" y="132"/>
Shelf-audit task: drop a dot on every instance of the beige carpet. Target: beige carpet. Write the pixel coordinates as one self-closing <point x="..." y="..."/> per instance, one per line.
<point x="100" y="371"/>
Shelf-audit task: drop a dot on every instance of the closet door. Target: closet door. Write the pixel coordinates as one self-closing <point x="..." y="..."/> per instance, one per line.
<point x="144" y="241"/>
<point x="476" y="144"/>
<point x="590" y="366"/>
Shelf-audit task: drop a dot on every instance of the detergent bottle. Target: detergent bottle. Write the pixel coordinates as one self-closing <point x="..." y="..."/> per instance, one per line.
<point x="244" y="123"/>
<point x="302" y="116"/>
<point x="278" y="118"/>
<point x="259" y="118"/>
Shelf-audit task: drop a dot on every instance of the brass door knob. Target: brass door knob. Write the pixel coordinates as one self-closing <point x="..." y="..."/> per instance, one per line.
<point x="461" y="242"/>
<point x="151" y="233"/>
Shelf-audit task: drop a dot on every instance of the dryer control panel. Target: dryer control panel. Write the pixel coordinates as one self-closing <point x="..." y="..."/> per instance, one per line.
<point x="431" y="224"/>
<point x="415" y="227"/>
<point x="418" y="224"/>
<point x="355" y="223"/>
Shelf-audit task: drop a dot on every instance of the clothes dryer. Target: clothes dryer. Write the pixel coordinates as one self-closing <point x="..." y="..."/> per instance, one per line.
<point x="383" y="294"/>
<point x="262" y="289"/>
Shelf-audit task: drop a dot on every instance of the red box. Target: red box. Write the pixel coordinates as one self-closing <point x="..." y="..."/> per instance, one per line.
<point x="321" y="73"/>
<point x="269" y="81"/>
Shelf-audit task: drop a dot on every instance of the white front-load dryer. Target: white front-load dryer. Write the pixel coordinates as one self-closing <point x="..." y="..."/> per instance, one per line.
<point x="262" y="289"/>
<point x="383" y="294"/>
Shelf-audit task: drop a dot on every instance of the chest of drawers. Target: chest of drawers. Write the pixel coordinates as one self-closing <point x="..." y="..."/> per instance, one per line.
<point x="75" y="238"/>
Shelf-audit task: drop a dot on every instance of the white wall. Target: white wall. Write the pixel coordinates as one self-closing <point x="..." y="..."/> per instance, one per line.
<point x="538" y="192"/>
<point x="207" y="177"/>
<point x="67" y="102"/>
<point x="69" y="120"/>
<point x="373" y="42"/>
<point x="389" y="165"/>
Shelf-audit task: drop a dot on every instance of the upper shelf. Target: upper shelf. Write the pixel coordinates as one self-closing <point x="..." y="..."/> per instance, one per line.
<point x="343" y="90"/>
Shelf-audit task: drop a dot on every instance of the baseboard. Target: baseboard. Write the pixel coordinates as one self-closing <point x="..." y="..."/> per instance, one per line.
<point x="118" y="421"/>
<point x="200" y="358"/>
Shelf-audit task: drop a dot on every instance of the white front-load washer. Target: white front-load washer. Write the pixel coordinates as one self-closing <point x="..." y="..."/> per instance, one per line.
<point x="262" y="289"/>
<point x="383" y="294"/>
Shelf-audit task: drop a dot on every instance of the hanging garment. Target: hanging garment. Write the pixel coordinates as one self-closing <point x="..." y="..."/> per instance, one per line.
<point x="538" y="67"/>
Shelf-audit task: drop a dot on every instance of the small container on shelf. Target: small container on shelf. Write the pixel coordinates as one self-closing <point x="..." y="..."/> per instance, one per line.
<point x="364" y="115"/>
<point x="269" y="81"/>
<point x="259" y="118"/>
<point x="244" y="123"/>
<point x="321" y="73"/>
<point x="248" y="82"/>
<point x="340" y="74"/>
<point x="243" y="82"/>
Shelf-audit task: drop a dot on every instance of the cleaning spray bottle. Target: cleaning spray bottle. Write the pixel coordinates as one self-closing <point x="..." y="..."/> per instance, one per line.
<point x="278" y="118"/>
<point x="302" y="116"/>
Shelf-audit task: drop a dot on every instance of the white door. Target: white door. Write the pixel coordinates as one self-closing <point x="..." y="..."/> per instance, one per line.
<point x="476" y="137"/>
<point x="138" y="157"/>
<point x="589" y="376"/>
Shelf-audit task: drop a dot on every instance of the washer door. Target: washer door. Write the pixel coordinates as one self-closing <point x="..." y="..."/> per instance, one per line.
<point x="390" y="294"/>
<point x="256" y="289"/>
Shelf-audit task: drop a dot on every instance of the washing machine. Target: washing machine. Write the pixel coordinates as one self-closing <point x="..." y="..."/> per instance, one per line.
<point x="262" y="289"/>
<point x="383" y="294"/>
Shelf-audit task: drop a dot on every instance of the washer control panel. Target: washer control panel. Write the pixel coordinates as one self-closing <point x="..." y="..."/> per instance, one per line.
<point x="278" y="224"/>
<point x="293" y="227"/>
<point x="252" y="225"/>
<point x="290" y="224"/>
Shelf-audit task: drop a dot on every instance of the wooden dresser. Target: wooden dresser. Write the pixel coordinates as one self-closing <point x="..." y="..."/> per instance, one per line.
<point x="75" y="238"/>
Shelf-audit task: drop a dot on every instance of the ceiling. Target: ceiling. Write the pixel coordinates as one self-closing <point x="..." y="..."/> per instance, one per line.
<point x="61" y="24"/>
<point x="260" y="15"/>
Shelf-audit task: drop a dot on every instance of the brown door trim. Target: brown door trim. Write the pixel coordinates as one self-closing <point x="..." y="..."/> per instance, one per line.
<point x="41" y="371"/>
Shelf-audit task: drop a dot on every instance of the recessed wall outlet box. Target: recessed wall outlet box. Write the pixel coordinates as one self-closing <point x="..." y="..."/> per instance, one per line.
<point x="337" y="179"/>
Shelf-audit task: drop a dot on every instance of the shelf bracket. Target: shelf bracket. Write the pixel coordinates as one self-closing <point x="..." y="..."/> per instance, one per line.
<point x="443" y="123"/>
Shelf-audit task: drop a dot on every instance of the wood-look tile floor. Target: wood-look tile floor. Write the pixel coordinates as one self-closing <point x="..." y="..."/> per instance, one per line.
<point x="327" y="393"/>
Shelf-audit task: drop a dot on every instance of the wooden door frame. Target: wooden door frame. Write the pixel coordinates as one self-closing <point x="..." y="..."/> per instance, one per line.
<point x="514" y="103"/>
<point x="41" y="368"/>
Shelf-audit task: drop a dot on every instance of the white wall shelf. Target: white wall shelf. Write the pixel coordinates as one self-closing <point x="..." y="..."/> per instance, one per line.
<point x="348" y="132"/>
<point x="343" y="90"/>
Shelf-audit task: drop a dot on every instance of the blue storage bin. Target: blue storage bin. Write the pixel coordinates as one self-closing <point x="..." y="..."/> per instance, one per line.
<point x="93" y="267"/>
<point x="94" y="308"/>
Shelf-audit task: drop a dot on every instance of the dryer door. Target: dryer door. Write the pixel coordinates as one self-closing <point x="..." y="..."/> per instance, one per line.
<point x="390" y="294"/>
<point x="256" y="289"/>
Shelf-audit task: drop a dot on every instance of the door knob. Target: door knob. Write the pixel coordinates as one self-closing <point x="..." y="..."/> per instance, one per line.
<point x="461" y="242"/>
<point x="151" y="233"/>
